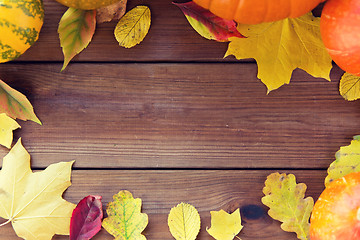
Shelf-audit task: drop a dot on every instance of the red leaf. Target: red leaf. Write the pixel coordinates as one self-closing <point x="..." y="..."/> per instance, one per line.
<point x="86" y="218"/>
<point x="207" y="24"/>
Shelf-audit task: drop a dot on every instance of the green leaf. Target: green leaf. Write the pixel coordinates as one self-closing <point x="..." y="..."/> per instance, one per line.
<point x="15" y="104"/>
<point x="125" y="220"/>
<point x="350" y="86"/>
<point x="133" y="27"/>
<point x="281" y="47"/>
<point x="286" y="201"/>
<point x="184" y="222"/>
<point x="347" y="161"/>
<point x="76" y="29"/>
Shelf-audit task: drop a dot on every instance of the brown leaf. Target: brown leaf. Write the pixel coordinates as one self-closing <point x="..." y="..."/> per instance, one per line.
<point x="112" y="12"/>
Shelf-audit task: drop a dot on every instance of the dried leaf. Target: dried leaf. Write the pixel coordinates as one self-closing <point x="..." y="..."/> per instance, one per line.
<point x="86" y="218"/>
<point x="15" y="104"/>
<point x="112" y="12"/>
<point x="76" y="29"/>
<point x="184" y="222"/>
<point x="286" y="201"/>
<point x="125" y="220"/>
<point x="347" y="161"/>
<point x="350" y="86"/>
<point x="7" y="125"/>
<point x="133" y="27"/>
<point x="33" y="202"/>
<point x="281" y="47"/>
<point x="225" y="226"/>
<point x="207" y="24"/>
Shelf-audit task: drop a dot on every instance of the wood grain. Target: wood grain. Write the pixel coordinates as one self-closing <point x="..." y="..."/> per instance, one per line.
<point x="206" y="190"/>
<point x="180" y="116"/>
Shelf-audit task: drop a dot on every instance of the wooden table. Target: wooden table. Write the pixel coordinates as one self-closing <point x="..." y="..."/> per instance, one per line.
<point x="172" y="121"/>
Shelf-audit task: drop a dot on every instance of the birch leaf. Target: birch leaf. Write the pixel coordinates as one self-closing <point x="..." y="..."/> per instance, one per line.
<point x="286" y="201"/>
<point x="281" y="47"/>
<point x="350" y="86"/>
<point x="7" y="125"/>
<point x="76" y="29"/>
<point x="15" y="104"/>
<point x="33" y="202"/>
<point x="112" y="12"/>
<point x="347" y="161"/>
<point x="125" y="220"/>
<point x="184" y="222"/>
<point x="207" y="24"/>
<point x="133" y="27"/>
<point x="225" y="226"/>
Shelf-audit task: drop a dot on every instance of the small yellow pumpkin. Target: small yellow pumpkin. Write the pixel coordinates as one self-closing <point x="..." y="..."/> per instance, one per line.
<point x="87" y="4"/>
<point x="20" y="25"/>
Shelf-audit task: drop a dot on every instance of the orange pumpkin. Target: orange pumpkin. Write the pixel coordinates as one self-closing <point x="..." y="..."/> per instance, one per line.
<point x="258" y="11"/>
<point x="340" y="32"/>
<point x="336" y="214"/>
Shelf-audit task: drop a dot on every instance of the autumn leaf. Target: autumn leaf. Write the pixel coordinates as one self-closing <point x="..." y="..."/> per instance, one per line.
<point x="184" y="222"/>
<point x="112" y="12"/>
<point x="286" y="201"/>
<point x="86" y="218"/>
<point x="133" y="27"/>
<point x="33" y="202"/>
<point x="15" y="104"/>
<point x="350" y="86"/>
<point x="225" y="226"/>
<point x="207" y="24"/>
<point x="125" y="220"/>
<point x="347" y="161"/>
<point x="76" y="29"/>
<point x="281" y="47"/>
<point x="7" y="125"/>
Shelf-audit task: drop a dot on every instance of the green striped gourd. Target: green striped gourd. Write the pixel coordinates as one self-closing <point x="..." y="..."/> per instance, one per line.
<point x="20" y="24"/>
<point x="87" y="4"/>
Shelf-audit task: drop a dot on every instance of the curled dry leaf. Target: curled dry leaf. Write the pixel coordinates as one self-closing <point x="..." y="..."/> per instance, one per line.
<point x="86" y="218"/>
<point x="112" y="12"/>
<point x="7" y="125"/>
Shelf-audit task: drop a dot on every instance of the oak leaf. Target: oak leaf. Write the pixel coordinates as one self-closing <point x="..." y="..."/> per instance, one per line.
<point x="207" y="24"/>
<point x="225" y="226"/>
<point x="184" y="222"/>
<point x="133" y="27"/>
<point x="76" y="29"/>
<point x="33" y="202"/>
<point x="7" y="125"/>
<point x="349" y="87"/>
<point x="282" y="46"/>
<point x="125" y="220"/>
<point x="15" y="104"/>
<point x="347" y="161"/>
<point x="86" y="218"/>
<point x="112" y="12"/>
<point x="287" y="204"/>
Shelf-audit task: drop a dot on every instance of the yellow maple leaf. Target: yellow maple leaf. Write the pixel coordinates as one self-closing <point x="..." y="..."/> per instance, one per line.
<point x="225" y="226"/>
<point x="133" y="27"/>
<point x="287" y="204"/>
<point x="281" y="47"/>
<point x="349" y="86"/>
<point x="184" y="222"/>
<point x="125" y="220"/>
<point x="7" y="125"/>
<point x="33" y="202"/>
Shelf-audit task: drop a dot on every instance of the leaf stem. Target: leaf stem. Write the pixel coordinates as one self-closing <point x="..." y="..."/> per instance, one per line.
<point x="6" y="222"/>
<point x="238" y="237"/>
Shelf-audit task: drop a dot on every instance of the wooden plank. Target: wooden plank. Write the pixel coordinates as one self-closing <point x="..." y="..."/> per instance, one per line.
<point x="206" y="190"/>
<point x="180" y="116"/>
<point x="171" y="38"/>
